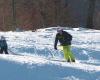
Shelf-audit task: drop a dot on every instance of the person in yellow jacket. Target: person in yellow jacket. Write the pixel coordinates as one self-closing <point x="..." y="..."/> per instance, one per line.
<point x="65" y="40"/>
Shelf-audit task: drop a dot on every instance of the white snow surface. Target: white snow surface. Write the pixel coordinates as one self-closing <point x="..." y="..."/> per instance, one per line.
<point x="30" y="56"/>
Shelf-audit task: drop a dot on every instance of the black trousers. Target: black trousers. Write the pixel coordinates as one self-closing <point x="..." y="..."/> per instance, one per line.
<point x="4" y="49"/>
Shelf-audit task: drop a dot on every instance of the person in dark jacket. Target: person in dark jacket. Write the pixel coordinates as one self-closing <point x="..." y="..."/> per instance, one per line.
<point x="65" y="40"/>
<point x="3" y="45"/>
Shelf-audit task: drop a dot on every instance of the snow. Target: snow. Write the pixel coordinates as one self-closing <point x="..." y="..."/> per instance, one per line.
<point x="32" y="53"/>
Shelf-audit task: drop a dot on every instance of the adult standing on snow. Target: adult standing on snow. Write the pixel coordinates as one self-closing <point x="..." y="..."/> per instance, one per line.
<point x="65" y="40"/>
<point x="3" y="45"/>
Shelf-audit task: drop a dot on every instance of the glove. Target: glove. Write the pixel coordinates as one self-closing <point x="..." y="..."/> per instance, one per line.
<point x="55" y="48"/>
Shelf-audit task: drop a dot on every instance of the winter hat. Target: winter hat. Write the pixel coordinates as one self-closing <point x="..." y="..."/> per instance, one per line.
<point x="59" y="30"/>
<point x="2" y="38"/>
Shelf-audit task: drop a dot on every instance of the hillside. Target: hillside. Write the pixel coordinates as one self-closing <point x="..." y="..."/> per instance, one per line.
<point x="31" y="55"/>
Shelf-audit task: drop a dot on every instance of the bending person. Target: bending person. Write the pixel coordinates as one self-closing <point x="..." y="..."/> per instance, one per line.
<point x="65" y="40"/>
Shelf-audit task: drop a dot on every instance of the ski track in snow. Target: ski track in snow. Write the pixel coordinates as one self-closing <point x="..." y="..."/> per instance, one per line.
<point x="29" y="60"/>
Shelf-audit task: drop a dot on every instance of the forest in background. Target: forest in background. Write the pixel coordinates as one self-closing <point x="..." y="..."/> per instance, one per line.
<point x="33" y="14"/>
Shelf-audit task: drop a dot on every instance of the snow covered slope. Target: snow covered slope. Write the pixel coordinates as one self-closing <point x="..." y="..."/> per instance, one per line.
<point x="33" y="50"/>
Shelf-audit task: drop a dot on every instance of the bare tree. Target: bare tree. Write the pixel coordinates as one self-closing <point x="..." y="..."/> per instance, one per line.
<point x="14" y="14"/>
<point x="90" y="15"/>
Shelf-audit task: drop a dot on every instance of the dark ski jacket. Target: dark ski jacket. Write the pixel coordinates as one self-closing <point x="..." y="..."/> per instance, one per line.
<point x="3" y="44"/>
<point x="64" y="39"/>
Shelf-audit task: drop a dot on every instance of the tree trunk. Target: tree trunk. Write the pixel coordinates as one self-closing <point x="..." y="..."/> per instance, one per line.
<point x="90" y="15"/>
<point x="14" y="14"/>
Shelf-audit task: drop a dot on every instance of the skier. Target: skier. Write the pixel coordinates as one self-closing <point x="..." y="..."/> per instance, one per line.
<point x="65" y="40"/>
<point x="3" y="45"/>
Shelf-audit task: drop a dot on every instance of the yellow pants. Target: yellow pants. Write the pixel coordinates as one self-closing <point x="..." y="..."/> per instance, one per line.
<point x="68" y="55"/>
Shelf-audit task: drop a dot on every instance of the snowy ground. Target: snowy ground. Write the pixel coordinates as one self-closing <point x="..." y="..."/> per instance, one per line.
<point x="33" y="51"/>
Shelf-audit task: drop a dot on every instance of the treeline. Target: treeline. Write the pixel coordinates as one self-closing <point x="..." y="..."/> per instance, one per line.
<point x="33" y="14"/>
